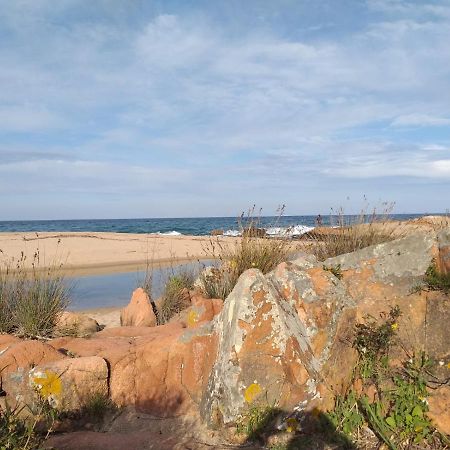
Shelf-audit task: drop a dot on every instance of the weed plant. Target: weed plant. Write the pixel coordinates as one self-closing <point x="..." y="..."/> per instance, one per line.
<point x="20" y="430"/>
<point x="397" y="414"/>
<point x="256" y="420"/>
<point x="435" y="280"/>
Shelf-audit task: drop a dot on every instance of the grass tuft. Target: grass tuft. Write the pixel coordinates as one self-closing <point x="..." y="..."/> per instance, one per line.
<point x="31" y="299"/>
<point x="253" y="250"/>
<point x="435" y="280"/>
<point x="175" y="297"/>
<point x="351" y="233"/>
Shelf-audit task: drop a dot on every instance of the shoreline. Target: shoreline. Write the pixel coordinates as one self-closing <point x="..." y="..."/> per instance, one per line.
<point x="80" y="253"/>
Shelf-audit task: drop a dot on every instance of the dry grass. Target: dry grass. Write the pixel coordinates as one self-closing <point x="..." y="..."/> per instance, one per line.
<point x="31" y="300"/>
<point x="351" y="233"/>
<point x="252" y="250"/>
<point x="175" y="297"/>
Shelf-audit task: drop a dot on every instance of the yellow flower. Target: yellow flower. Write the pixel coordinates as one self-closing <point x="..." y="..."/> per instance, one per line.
<point x="252" y="392"/>
<point x="291" y="425"/>
<point x="394" y="326"/>
<point x="448" y="365"/>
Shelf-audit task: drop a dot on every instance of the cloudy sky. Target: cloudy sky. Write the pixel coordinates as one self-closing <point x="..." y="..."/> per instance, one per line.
<point x="129" y="108"/>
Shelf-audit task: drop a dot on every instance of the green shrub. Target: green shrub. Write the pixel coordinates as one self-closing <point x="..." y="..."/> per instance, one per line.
<point x="31" y="299"/>
<point x="175" y="297"/>
<point x="436" y="281"/>
<point x="397" y="415"/>
<point x="15" y="432"/>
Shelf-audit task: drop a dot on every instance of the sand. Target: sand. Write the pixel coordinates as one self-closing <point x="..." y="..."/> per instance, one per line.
<point x="84" y="253"/>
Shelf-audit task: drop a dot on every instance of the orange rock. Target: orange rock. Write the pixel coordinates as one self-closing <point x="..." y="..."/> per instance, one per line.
<point x="23" y="354"/>
<point x="439" y="409"/>
<point x="69" y="384"/>
<point x="125" y="332"/>
<point x="162" y="372"/>
<point x="139" y="311"/>
<point x="6" y="340"/>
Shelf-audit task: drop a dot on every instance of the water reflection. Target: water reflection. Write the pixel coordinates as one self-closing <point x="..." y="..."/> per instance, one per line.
<point x="114" y="290"/>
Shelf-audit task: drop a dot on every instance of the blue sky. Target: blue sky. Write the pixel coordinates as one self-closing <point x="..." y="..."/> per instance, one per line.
<point x="114" y="108"/>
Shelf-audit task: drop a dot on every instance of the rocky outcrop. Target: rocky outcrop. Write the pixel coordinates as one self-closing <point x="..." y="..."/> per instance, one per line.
<point x="139" y="312"/>
<point x="18" y="355"/>
<point x="162" y="370"/>
<point x="283" y="338"/>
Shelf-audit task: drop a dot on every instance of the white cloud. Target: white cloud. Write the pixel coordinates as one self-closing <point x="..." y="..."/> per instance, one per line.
<point x="419" y="120"/>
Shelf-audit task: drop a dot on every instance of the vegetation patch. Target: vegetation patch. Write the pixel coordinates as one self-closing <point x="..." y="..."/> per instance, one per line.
<point x="256" y="421"/>
<point x="25" y="428"/>
<point x="435" y="280"/>
<point x="253" y="250"/>
<point x="31" y="299"/>
<point x="395" y="410"/>
<point x="351" y="233"/>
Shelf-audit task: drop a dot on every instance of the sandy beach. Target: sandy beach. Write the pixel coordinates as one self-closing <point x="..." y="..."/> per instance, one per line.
<point x="94" y="253"/>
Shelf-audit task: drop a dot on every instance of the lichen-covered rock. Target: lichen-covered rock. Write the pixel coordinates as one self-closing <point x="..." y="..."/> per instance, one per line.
<point x="72" y="383"/>
<point x="264" y="353"/>
<point x="67" y="384"/>
<point x="385" y="275"/>
<point x="318" y="298"/>
<point x="202" y="310"/>
<point x="139" y="312"/>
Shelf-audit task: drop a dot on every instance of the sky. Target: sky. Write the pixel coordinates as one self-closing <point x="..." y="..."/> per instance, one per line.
<point x="129" y="108"/>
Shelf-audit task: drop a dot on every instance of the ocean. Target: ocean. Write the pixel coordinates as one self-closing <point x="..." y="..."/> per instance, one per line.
<point x="196" y="226"/>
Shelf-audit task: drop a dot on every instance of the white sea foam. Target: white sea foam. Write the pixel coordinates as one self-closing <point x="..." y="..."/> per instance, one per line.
<point x="232" y="233"/>
<point x="296" y="230"/>
<point x="169" y="233"/>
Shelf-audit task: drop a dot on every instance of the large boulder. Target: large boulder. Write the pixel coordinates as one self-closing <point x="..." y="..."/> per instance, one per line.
<point x="264" y="353"/>
<point x="139" y="312"/>
<point x="383" y="276"/>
